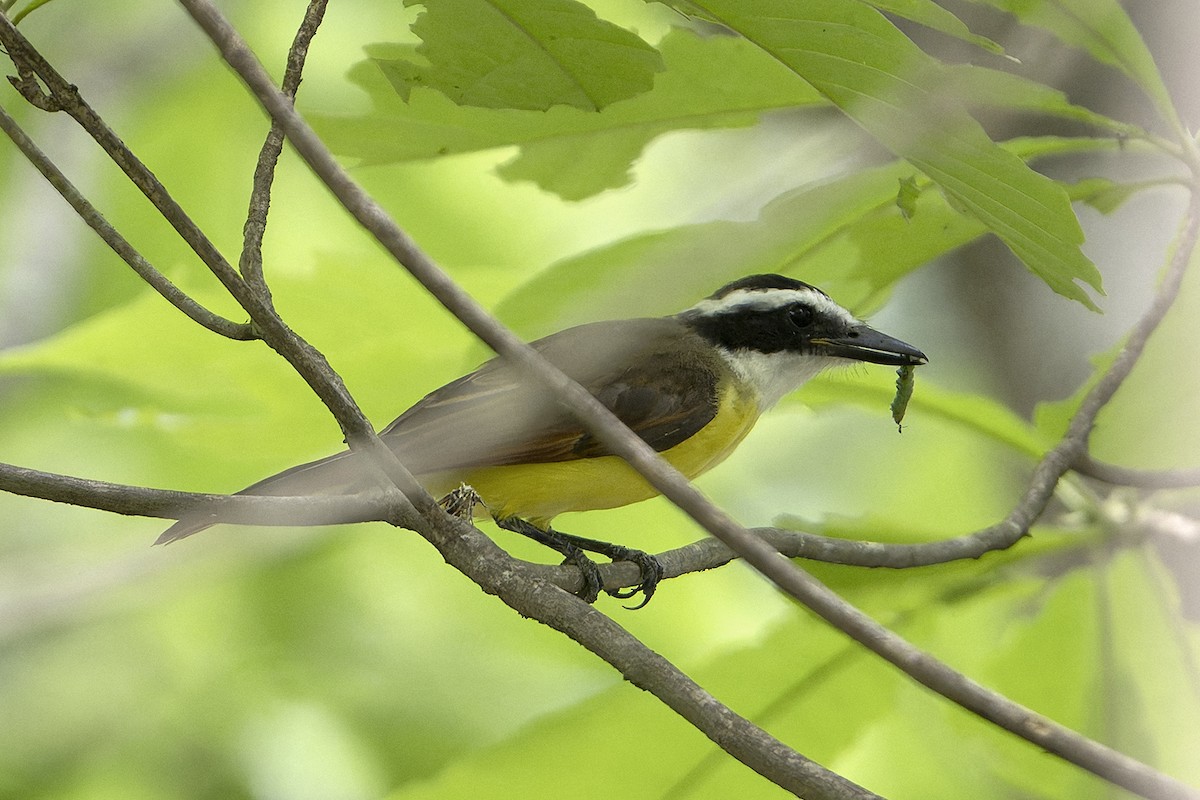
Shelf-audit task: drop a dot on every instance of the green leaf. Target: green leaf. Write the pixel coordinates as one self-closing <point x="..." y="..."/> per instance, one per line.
<point x="906" y="197"/>
<point x="1104" y="30"/>
<point x="1106" y="195"/>
<point x="982" y="87"/>
<point x="526" y="54"/>
<point x="717" y="82"/>
<point x="933" y="16"/>
<point x="852" y="54"/>
<point x="664" y="271"/>
<point x="869" y="253"/>
<point x="848" y="236"/>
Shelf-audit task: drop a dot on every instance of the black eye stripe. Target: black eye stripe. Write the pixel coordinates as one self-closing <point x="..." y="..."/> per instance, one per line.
<point x="787" y="327"/>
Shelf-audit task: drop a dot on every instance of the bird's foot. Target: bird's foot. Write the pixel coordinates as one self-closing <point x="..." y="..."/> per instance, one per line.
<point x="574" y="547"/>
<point x="592" y="582"/>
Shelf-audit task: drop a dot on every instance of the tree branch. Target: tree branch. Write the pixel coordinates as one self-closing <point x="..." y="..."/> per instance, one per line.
<point x="251" y="263"/>
<point x="799" y="583"/>
<point x="169" y="504"/>
<point x="121" y="246"/>
<point x="43" y="86"/>
<point x="1103" y="761"/>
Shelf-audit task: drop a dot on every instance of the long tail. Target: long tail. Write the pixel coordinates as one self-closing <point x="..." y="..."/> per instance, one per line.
<point x="337" y="474"/>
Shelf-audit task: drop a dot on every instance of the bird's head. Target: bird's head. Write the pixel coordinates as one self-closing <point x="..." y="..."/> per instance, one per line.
<point x="777" y="332"/>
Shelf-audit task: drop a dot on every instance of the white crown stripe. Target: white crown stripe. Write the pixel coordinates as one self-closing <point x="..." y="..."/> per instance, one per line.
<point x="758" y="300"/>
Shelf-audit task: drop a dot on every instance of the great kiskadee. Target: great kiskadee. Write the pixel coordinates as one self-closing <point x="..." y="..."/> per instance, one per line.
<point x="691" y="385"/>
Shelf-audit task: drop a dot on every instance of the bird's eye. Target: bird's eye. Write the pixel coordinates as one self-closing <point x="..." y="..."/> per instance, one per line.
<point x="800" y="316"/>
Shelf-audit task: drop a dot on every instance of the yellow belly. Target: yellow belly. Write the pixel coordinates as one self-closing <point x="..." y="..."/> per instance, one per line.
<point x="540" y="492"/>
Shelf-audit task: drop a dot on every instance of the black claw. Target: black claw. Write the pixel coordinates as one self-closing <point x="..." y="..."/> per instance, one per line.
<point x="573" y="548"/>
<point x="651" y="573"/>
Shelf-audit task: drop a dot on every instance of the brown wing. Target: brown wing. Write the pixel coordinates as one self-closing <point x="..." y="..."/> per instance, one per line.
<point x="656" y="375"/>
<point x="493" y="416"/>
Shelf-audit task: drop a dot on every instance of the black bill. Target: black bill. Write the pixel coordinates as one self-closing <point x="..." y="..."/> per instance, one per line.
<point x="867" y="344"/>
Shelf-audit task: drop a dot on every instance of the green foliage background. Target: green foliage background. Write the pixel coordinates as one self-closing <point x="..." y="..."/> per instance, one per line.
<point x="349" y="662"/>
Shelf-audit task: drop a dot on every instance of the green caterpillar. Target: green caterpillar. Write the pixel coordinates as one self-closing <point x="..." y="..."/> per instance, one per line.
<point x="905" y="378"/>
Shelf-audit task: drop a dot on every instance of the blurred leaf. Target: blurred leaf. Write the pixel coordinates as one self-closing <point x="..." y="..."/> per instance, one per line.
<point x="716" y="82"/>
<point x="1106" y="195"/>
<point x="528" y="54"/>
<point x="933" y="16"/>
<point x="803" y="655"/>
<point x="220" y="437"/>
<point x="1104" y="30"/>
<point x="879" y="78"/>
<point x="870" y="253"/>
<point x="974" y="412"/>
<point x="847" y="710"/>
<point x="906" y="197"/>
<point x="641" y="276"/>
<point x="982" y="87"/>
<point x="847" y="235"/>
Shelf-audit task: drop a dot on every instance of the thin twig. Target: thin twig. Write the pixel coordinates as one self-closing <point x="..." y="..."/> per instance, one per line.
<point x="89" y="214"/>
<point x="1101" y="760"/>
<point x="251" y="262"/>
<point x="169" y="504"/>
<point x="43" y="86"/>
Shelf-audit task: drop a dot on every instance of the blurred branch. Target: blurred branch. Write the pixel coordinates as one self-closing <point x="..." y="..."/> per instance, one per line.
<point x="1090" y="467"/>
<point x="1103" y="761"/>
<point x="121" y="246"/>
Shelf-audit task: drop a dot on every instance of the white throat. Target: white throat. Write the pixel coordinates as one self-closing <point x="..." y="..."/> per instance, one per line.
<point x="772" y="375"/>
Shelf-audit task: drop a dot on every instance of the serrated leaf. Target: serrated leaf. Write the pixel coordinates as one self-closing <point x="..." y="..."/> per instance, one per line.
<point x="860" y="61"/>
<point x="1104" y="30"/>
<point x="717" y="82"/>
<point x="527" y="54"/>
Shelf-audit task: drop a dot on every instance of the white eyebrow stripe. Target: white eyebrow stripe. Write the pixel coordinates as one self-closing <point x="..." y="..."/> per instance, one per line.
<point x="770" y="299"/>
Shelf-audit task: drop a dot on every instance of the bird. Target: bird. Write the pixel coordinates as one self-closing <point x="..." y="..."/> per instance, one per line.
<point x="691" y="385"/>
